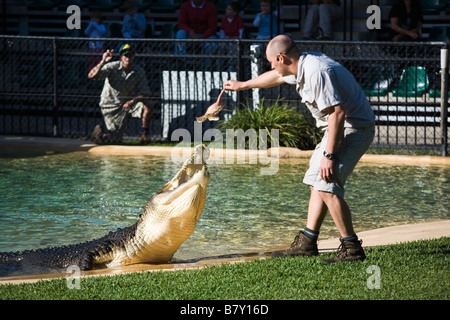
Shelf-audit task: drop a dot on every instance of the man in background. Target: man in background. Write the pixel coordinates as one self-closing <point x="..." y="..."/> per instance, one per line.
<point x="125" y="93"/>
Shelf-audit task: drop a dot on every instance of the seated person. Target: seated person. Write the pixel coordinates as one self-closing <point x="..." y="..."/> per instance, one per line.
<point x="197" y="20"/>
<point x="134" y="23"/>
<point x="406" y="21"/>
<point x="232" y="25"/>
<point x="262" y="21"/>
<point x="320" y="17"/>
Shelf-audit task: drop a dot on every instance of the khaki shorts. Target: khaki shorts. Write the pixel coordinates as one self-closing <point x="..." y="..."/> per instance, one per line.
<point x="354" y="144"/>
<point x="115" y="117"/>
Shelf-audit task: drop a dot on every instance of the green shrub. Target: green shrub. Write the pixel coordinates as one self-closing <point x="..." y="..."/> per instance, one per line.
<point x="296" y="129"/>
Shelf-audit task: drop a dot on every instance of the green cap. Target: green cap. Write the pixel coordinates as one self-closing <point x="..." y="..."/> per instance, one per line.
<point x="125" y="48"/>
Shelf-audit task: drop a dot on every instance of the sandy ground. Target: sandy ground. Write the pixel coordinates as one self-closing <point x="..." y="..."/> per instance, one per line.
<point x="384" y="236"/>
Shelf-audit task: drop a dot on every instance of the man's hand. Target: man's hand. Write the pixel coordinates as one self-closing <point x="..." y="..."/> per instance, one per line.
<point x="141" y="98"/>
<point x="107" y="56"/>
<point x="326" y="169"/>
<point x="129" y="104"/>
<point x="233" y="85"/>
<point x="336" y="121"/>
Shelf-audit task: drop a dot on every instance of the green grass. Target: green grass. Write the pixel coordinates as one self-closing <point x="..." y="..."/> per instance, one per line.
<point x="415" y="270"/>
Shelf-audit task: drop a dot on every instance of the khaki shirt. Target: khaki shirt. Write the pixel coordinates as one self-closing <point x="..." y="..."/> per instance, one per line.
<point x="120" y="86"/>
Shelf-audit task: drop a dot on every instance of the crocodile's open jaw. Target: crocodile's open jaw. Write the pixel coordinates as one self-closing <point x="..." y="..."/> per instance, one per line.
<point x="170" y="216"/>
<point x="188" y="187"/>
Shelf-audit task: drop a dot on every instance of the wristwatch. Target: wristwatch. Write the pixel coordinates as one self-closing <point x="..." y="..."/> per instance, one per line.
<point x="329" y="156"/>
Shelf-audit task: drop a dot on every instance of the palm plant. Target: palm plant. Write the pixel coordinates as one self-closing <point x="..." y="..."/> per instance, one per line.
<point x="296" y="129"/>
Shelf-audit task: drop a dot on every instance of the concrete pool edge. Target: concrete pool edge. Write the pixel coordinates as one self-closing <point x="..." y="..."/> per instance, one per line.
<point x="383" y="236"/>
<point x="47" y="145"/>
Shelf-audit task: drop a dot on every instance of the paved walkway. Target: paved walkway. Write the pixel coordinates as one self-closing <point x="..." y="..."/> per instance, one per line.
<point x="383" y="236"/>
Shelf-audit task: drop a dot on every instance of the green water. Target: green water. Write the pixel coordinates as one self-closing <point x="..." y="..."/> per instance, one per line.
<point x="69" y="198"/>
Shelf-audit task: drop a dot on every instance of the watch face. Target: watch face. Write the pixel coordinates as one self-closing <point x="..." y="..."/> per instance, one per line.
<point x="329" y="156"/>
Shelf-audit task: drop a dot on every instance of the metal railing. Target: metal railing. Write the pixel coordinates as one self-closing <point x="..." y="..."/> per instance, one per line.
<point x="44" y="89"/>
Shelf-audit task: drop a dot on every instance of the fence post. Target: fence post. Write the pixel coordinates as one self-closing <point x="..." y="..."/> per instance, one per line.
<point x="444" y="100"/>
<point x="55" y="89"/>
<point x="240" y="69"/>
<point x="255" y="53"/>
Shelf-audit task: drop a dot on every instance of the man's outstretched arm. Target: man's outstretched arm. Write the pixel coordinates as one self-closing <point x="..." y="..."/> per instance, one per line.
<point x="266" y="80"/>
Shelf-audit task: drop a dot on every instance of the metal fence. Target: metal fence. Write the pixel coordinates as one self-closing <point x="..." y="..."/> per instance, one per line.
<point x="44" y="89"/>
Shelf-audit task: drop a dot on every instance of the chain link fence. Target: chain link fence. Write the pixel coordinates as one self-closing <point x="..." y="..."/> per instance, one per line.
<point x="45" y="91"/>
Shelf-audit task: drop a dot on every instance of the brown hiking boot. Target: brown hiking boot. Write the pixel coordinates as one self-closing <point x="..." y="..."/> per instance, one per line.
<point x="348" y="251"/>
<point x="143" y="138"/>
<point x="302" y="246"/>
<point x="98" y="135"/>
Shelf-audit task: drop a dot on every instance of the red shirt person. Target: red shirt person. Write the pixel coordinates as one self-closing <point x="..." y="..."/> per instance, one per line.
<point x="197" y="20"/>
<point x="232" y="25"/>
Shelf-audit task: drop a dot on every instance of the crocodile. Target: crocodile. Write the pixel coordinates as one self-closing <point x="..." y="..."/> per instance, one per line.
<point x="169" y="218"/>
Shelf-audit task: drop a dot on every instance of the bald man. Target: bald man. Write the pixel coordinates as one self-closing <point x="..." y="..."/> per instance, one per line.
<point x="343" y="112"/>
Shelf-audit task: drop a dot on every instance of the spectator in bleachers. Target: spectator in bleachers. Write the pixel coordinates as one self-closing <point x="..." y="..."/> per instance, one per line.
<point x="232" y="24"/>
<point x="125" y="94"/>
<point x="95" y="29"/>
<point x="406" y="21"/>
<point x="134" y="23"/>
<point x="320" y="17"/>
<point x="231" y="27"/>
<point x="197" y="20"/>
<point x="262" y="21"/>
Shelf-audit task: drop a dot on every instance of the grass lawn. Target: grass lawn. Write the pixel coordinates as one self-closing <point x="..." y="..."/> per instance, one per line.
<point x="415" y="270"/>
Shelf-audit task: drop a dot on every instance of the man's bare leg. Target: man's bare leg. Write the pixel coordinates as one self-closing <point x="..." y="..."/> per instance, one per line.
<point x="317" y="211"/>
<point x="350" y="249"/>
<point x="340" y="212"/>
<point x="147" y="113"/>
